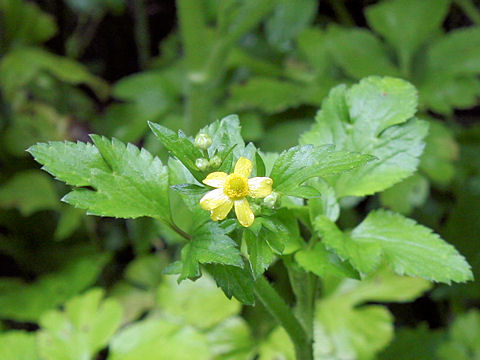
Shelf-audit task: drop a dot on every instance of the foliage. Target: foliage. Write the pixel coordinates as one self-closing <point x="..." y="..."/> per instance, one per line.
<point x="130" y="266"/>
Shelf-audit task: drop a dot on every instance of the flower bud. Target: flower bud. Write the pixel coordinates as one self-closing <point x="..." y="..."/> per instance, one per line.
<point x="202" y="164"/>
<point x="271" y="200"/>
<point x="215" y="162"/>
<point x="203" y="141"/>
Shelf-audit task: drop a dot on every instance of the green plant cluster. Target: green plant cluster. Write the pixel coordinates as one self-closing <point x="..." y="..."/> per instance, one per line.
<point x="375" y="184"/>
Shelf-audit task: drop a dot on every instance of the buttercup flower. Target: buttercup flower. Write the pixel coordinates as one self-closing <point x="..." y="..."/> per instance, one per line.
<point x="232" y="190"/>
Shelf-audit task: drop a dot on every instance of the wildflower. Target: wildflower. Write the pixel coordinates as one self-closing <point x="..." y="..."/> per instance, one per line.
<point x="232" y="190"/>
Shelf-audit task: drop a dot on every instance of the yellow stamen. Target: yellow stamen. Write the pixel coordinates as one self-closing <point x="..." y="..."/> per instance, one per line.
<point x="236" y="186"/>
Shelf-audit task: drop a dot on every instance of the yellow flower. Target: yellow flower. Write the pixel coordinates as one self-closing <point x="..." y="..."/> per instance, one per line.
<point x="232" y="190"/>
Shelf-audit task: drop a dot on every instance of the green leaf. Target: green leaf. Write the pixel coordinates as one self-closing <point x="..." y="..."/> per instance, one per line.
<point x="300" y="163"/>
<point x="180" y="147"/>
<point x="128" y="182"/>
<point x="81" y="330"/>
<point x="277" y="346"/>
<point x="158" y="339"/>
<point x="359" y="53"/>
<point x="271" y="95"/>
<point x="210" y="244"/>
<point x="23" y="64"/>
<point x="32" y="123"/>
<point x="407" y="247"/>
<point x="29" y="191"/>
<point x="343" y="329"/>
<point x="259" y="252"/>
<point x="312" y="45"/>
<point x="231" y="340"/>
<point x="407" y="24"/>
<point x="464" y="338"/>
<point x="371" y="117"/>
<point x="234" y="281"/>
<point x="68" y="161"/>
<point x="197" y="303"/>
<point x="27" y="302"/>
<point x="24" y="23"/>
<point x="321" y="262"/>
<point x="288" y="19"/>
<point x="441" y="151"/>
<point x="323" y="201"/>
<point x="406" y="195"/>
<point x="455" y="53"/>
<point x="342" y="332"/>
<point x="418" y="343"/>
<point x="18" y="345"/>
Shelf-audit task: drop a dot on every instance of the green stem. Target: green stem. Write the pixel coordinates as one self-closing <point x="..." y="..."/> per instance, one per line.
<point x="142" y="35"/>
<point x="470" y="10"/>
<point x="285" y="317"/>
<point x="303" y="286"/>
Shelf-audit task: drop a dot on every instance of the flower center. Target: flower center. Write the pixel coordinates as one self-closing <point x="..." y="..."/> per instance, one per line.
<point x="236" y="186"/>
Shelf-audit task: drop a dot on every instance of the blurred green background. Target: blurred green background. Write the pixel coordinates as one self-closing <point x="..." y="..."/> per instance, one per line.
<point x="74" y="67"/>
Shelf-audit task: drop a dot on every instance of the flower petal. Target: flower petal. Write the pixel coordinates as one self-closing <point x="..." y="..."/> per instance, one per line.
<point x="213" y="199"/>
<point x="243" y="167"/>
<point x="244" y="213"/>
<point x="222" y="211"/>
<point x="215" y="179"/>
<point x="259" y="187"/>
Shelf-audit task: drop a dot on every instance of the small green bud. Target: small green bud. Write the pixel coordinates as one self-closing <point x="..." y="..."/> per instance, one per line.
<point x="215" y="162"/>
<point x="271" y="200"/>
<point x="202" y="164"/>
<point x="203" y="141"/>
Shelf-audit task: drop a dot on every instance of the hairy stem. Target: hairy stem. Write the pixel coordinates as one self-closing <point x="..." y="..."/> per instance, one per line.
<point x="285" y="317"/>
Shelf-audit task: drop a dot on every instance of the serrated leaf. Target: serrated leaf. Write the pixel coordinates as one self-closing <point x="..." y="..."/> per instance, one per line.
<point x="407" y="24"/>
<point x="180" y="147"/>
<point x="68" y="161"/>
<point x="209" y="244"/>
<point x="359" y="53"/>
<point x="407" y="247"/>
<point x="29" y="191"/>
<point x="300" y="163"/>
<point x="371" y="117"/>
<point x="85" y="327"/>
<point x="127" y="182"/>
<point x="27" y="302"/>
<point x="234" y="281"/>
<point x="198" y="303"/>
<point x="259" y="252"/>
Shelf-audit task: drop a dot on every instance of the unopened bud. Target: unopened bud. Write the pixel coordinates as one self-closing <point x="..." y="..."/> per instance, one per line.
<point x="203" y="141"/>
<point x="202" y="164"/>
<point x="215" y="162"/>
<point x="271" y="200"/>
